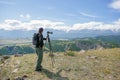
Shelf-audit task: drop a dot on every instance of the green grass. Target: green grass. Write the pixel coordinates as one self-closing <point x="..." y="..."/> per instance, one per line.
<point x="91" y="65"/>
<point x="70" y="53"/>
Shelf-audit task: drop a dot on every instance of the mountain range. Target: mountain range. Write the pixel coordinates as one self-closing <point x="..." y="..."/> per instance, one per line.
<point x="57" y="34"/>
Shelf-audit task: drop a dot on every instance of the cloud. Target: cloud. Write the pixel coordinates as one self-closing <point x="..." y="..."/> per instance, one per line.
<point x="30" y="25"/>
<point x="89" y="25"/>
<point x="88" y="15"/>
<point x="48" y="24"/>
<point x="115" y="4"/>
<point x="12" y="22"/>
<point x="27" y="16"/>
<point x="96" y="26"/>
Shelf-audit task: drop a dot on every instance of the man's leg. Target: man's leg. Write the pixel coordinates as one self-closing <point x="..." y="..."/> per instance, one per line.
<point x="40" y="57"/>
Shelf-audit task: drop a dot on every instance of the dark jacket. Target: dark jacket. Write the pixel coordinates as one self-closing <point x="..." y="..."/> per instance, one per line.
<point x="40" y="42"/>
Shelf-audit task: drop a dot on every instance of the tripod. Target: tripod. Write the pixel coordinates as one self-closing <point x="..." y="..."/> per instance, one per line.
<point x="51" y="51"/>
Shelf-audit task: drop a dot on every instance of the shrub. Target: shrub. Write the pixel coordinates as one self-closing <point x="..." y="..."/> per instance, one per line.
<point x="70" y="53"/>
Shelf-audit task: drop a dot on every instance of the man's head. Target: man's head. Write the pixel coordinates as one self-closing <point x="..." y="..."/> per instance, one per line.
<point x="40" y="30"/>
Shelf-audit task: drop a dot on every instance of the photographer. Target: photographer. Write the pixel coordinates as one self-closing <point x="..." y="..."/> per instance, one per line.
<point x="39" y="49"/>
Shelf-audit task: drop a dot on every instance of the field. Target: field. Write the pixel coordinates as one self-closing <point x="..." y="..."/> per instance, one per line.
<point x="91" y="65"/>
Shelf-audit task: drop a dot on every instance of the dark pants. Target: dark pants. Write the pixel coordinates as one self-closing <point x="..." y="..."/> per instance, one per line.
<point x="39" y="53"/>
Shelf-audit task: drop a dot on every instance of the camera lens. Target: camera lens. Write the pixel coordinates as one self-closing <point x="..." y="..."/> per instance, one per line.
<point x="49" y="32"/>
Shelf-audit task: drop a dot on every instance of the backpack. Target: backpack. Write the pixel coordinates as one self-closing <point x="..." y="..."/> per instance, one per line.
<point x="34" y="39"/>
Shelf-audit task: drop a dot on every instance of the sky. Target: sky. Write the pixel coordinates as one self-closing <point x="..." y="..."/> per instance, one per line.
<point x="60" y="14"/>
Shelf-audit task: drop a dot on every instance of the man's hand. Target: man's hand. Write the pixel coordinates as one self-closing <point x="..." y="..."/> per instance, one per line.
<point x="51" y="55"/>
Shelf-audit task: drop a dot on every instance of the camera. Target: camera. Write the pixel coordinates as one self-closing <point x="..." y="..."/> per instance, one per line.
<point x="48" y="32"/>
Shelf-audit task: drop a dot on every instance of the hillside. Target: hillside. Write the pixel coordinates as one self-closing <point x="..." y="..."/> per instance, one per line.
<point x="24" y="46"/>
<point x="110" y="38"/>
<point x="91" y="65"/>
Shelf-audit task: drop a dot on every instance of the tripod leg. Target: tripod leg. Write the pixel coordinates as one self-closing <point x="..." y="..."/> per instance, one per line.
<point x="52" y="62"/>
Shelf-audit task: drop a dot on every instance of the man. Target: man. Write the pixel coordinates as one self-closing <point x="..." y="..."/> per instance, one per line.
<point x="39" y="49"/>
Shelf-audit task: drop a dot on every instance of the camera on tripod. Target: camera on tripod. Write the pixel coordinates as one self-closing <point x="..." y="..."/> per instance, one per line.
<point x="48" y="32"/>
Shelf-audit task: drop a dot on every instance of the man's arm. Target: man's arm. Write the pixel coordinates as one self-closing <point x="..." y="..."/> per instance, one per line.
<point x="44" y="38"/>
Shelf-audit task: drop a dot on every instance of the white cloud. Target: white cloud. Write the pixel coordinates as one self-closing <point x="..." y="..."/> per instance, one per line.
<point x="97" y="26"/>
<point x="115" y="4"/>
<point x="12" y="22"/>
<point x="27" y="16"/>
<point x="89" y="25"/>
<point x="46" y="23"/>
<point x="35" y="24"/>
<point x="88" y="15"/>
<point x="31" y="25"/>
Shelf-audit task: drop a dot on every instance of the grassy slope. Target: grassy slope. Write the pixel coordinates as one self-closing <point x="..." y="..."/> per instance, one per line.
<point x="92" y="65"/>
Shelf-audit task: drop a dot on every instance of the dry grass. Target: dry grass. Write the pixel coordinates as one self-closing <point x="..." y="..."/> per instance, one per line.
<point x="91" y="65"/>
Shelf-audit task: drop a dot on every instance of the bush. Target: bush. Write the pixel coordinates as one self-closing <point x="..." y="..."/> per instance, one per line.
<point x="70" y="53"/>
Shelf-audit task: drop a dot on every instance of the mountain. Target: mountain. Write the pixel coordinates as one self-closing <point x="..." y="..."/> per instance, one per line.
<point x="110" y="38"/>
<point x="57" y="34"/>
<point x="23" y="46"/>
<point x="15" y="34"/>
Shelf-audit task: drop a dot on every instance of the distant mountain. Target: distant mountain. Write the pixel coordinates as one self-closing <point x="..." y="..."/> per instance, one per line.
<point x="110" y="38"/>
<point x="15" y="34"/>
<point x="58" y="34"/>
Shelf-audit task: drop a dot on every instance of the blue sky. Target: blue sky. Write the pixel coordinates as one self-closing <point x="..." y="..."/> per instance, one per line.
<point x="68" y="12"/>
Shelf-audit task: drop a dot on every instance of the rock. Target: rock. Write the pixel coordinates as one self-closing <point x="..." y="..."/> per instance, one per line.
<point x="25" y="76"/>
<point x="8" y="79"/>
<point x="99" y="47"/>
<point x="2" y="60"/>
<point x="5" y="78"/>
<point x="21" y="78"/>
<point x="17" y="62"/>
<point x="108" y="77"/>
<point x="18" y="55"/>
<point x="82" y="51"/>
<point x="91" y="57"/>
<point x="84" y="68"/>
<point x="68" y="69"/>
<point x="14" y="71"/>
<point x="6" y="57"/>
<point x="1" y="65"/>
<point x="63" y="73"/>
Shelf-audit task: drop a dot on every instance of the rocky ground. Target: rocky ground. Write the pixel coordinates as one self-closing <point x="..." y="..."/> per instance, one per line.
<point x="91" y="65"/>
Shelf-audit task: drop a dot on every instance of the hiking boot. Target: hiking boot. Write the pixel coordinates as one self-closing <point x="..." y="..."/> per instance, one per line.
<point x="38" y="70"/>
